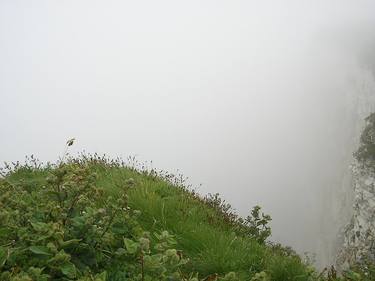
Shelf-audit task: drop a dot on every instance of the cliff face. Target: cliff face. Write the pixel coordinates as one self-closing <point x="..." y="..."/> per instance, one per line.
<point x="359" y="235"/>
<point x="338" y="196"/>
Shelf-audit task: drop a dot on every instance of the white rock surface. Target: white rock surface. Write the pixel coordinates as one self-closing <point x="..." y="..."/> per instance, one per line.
<point x="359" y="234"/>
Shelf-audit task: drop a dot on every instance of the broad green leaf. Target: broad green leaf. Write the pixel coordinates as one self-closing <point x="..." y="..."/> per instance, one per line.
<point x="118" y="228"/>
<point x="68" y="243"/>
<point x="39" y="226"/>
<point x="69" y="270"/>
<point x="42" y="237"/>
<point x="40" y="250"/>
<point x="78" y="221"/>
<point x="131" y="246"/>
<point x="120" y="252"/>
<point x="153" y="262"/>
<point x="102" y="276"/>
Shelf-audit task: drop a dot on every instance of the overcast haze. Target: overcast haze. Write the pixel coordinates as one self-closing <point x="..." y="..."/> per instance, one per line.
<point x="261" y="101"/>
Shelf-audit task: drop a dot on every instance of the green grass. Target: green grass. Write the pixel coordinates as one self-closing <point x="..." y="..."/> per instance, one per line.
<point x="207" y="239"/>
<point x="202" y="233"/>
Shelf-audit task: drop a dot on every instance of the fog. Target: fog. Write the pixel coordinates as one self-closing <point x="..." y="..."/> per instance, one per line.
<point x="260" y="101"/>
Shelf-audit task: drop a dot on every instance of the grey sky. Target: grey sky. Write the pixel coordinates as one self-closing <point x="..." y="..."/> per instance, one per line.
<point x="257" y="100"/>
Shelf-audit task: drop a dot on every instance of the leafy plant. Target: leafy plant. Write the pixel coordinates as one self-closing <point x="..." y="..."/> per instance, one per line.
<point x="64" y="230"/>
<point x="257" y="225"/>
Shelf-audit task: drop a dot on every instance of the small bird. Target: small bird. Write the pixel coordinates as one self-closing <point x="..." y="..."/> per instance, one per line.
<point x="70" y="142"/>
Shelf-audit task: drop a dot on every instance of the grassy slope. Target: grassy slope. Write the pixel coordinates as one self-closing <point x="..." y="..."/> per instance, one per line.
<point x="202" y="234"/>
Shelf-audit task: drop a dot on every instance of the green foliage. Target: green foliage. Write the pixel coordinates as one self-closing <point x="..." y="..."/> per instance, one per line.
<point x="257" y="225"/>
<point x="231" y="276"/>
<point x="94" y="219"/>
<point x="59" y="231"/>
<point x="364" y="271"/>
<point x="261" y="276"/>
<point x="366" y="150"/>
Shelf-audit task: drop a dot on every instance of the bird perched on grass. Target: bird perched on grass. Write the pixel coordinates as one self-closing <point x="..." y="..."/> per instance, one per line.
<point x="70" y="142"/>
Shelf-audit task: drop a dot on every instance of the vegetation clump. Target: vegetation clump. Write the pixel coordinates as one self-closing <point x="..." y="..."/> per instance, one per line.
<point x="66" y="230"/>
<point x="95" y="219"/>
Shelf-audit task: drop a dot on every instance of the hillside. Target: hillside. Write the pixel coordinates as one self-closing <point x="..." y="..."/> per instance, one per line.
<point x="96" y="219"/>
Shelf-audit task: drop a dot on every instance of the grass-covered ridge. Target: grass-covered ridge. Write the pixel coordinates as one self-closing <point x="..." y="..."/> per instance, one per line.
<point x="95" y="219"/>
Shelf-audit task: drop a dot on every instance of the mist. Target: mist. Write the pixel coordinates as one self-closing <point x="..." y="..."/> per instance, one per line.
<point x="260" y="101"/>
